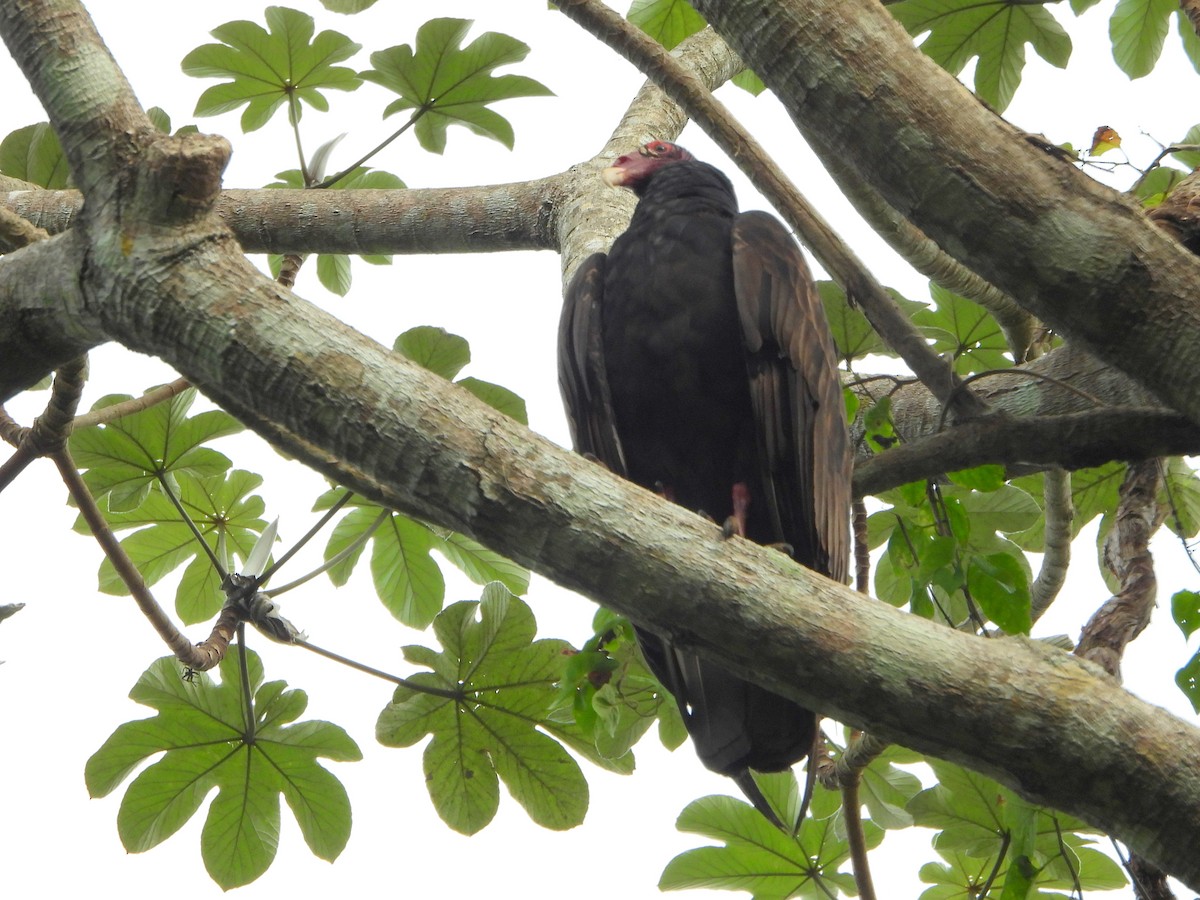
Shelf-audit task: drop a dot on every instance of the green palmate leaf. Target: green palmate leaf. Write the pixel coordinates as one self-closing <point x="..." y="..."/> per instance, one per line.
<point x="852" y="333"/>
<point x="1001" y="586"/>
<point x="886" y="789"/>
<point x="614" y="698"/>
<point x="497" y="397"/>
<point x="1188" y="679"/>
<point x="1190" y="158"/>
<point x="981" y="478"/>
<point x="964" y="330"/>
<point x="1185" y="610"/>
<point x="445" y="84"/>
<point x="1137" y="29"/>
<point x="124" y="458"/>
<point x="444" y="353"/>
<point x="333" y="269"/>
<point x="406" y="577"/>
<point x="1153" y="188"/>
<point x="670" y="21"/>
<point x="270" y="68"/>
<point x="201" y="728"/>
<point x="407" y="580"/>
<point x="501" y="685"/>
<point x="348" y="7"/>
<point x="961" y="878"/>
<point x="758" y="857"/>
<point x="34" y="154"/>
<point x="479" y="563"/>
<point x="228" y="516"/>
<point x="1080" y="6"/>
<point x="978" y="819"/>
<point x="1021" y="821"/>
<point x="1191" y="40"/>
<point x="667" y="21"/>
<point x="435" y="349"/>
<point x="1180" y="494"/>
<point x="993" y="30"/>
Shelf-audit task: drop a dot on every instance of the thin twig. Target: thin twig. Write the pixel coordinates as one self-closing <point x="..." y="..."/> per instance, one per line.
<point x="135" y="405"/>
<point x="201" y="658"/>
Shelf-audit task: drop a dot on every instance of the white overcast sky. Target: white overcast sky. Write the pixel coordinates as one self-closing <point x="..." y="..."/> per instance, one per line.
<point x="72" y="654"/>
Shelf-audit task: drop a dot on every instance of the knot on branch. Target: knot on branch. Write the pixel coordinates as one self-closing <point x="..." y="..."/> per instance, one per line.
<point x="258" y="609"/>
<point x="179" y="180"/>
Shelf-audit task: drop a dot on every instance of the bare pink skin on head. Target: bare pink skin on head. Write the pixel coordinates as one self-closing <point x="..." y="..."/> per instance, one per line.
<point x="632" y="169"/>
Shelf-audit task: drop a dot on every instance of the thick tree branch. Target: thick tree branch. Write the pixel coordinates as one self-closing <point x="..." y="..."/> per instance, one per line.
<point x="1071" y="441"/>
<point x="1077" y="255"/>
<point x="402" y="437"/>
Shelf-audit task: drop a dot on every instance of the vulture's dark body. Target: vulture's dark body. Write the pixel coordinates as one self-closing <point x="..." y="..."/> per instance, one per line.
<point x="676" y="371"/>
<point x="680" y="366"/>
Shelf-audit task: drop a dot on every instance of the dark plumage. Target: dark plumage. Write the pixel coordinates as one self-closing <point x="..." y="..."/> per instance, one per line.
<point x="695" y="359"/>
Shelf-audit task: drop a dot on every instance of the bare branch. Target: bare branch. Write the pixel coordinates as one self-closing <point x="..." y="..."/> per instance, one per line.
<point x="1056" y="556"/>
<point x="1127" y="556"/>
<point x="1071" y="440"/>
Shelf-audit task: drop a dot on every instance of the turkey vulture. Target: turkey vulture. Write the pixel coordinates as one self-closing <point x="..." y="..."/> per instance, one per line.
<point x="695" y="359"/>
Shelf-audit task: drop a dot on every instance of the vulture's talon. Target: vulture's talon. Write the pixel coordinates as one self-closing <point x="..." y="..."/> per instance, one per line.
<point x="783" y="547"/>
<point x="729" y="528"/>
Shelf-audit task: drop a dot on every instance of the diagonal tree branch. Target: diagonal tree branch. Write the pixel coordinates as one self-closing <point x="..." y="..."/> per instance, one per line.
<point x="1079" y="256"/>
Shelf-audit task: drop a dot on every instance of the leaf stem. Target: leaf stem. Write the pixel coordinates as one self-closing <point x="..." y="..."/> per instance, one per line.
<point x="212" y="556"/>
<point x="379" y="673"/>
<point x="352" y="548"/>
<point x="247" y="696"/>
<point x="312" y="532"/>
<point x="338" y="176"/>
<point x="294" y="120"/>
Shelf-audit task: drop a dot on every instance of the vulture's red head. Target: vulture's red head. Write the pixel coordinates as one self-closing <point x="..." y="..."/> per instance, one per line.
<point x="634" y="170"/>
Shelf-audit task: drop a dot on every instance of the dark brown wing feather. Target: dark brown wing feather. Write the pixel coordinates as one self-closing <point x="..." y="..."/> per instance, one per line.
<point x="797" y="397"/>
<point x="582" y="376"/>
